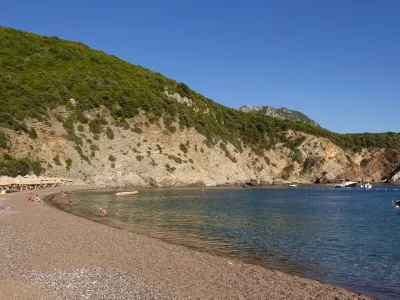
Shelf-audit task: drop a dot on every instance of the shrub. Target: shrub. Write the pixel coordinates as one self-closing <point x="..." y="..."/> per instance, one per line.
<point x="4" y="140"/>
<point x="364" y="162"/>
<point x="95" y="127"/>
<point x="176" y="159"/>
<point x="183" y="148"/>
<point x="137" y="130"/>
<point x="32" y="134"/>
<point x="159" y="148"/>
<point x="68" y="163"/>
<point x="296" y="156"/>
<point x="13" y="167"/>
<point x="287" y="171"/>
<point x="169" y="168"/>
<point x="110" y="133"/>
<point x="94" y="147"/>
<point x="112" y="158"/>
<point x="56" y="160"/>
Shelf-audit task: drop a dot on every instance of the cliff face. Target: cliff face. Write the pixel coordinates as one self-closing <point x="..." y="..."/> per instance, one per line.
<point x="148" y="155"/>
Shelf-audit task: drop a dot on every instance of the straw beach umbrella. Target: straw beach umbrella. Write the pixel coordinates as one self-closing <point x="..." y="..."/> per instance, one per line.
<point x="5" y="181"/>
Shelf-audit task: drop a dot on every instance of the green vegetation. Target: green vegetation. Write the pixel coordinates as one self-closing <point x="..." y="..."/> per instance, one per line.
<point x="112" y="158"/>
<point x="56" y="160"/>
<point x="287" y="171"/>
<point x="68" y="163"/>
<point x="227" y="153"/>
<point x="174" y="158"/>
<point x="94" y="147"/>
<point x="137" y="129"/>
<point x="364" y="162"/>
<point x="169" y="168"/>
<point x="95" y="127"/>
<point x="183" y="148"/>
<point x="4" y="140"/>
<point x="38" y="73"/>
<point x="294" y="143"/>
<point x="296" y="156"/>
<point x="32" y="134"/>
<point x="13" y="167"/>
<point x="110" y="133"/>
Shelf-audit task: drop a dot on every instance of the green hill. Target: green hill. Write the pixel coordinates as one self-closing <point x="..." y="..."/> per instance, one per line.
<point x="39" y="73"/>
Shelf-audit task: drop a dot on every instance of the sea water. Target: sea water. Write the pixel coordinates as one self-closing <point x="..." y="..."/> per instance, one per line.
<point x="347" y="237"/>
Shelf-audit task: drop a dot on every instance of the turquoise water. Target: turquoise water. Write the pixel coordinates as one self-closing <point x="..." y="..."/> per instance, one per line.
<point x="346" y="237"/>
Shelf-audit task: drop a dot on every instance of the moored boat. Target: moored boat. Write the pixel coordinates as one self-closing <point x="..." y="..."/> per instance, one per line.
<point x="366" y="185"/>
<point x="126" y="193"/>
<point x="346" y="183"/>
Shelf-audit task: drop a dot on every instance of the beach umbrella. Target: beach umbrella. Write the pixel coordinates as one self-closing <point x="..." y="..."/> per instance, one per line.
<point x="17" y="180"/>
<point x="5" y="181"/>
<point x="31" y="180"/>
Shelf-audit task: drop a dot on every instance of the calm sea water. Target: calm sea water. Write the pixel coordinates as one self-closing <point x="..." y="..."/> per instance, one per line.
<point x="346" y="237"/>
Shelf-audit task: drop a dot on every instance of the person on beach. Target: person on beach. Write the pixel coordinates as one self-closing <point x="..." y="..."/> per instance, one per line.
<point x="62" y="194"/>
<point x="37" y="198"/>
<point x="102" y="212"/>
<point x="30" y="197"/>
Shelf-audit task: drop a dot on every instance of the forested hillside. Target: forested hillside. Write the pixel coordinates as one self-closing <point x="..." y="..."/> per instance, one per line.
<point x="39" y="74"/>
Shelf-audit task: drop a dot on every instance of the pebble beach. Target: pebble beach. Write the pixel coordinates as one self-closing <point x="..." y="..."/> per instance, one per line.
<point x="50" y="254"/>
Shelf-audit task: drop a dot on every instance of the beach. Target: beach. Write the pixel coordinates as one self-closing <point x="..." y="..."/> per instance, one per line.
<point x="50" y="254"/>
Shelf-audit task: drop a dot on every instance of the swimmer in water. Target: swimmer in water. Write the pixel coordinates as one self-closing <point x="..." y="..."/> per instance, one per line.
<point x="102" y="212"/>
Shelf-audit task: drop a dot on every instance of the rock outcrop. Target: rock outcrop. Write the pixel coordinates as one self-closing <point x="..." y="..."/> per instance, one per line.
<point x="281" y="113"/>
<point x="148" y="155"/>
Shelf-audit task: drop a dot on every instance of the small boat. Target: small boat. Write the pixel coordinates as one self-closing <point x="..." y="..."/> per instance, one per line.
<point x="366" y="185"/>
<point x="126" y="193"/>
<point x="346" y="183"/>
<point x="293" y="184"/>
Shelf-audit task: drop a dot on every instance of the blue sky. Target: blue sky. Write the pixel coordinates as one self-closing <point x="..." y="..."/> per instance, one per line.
<point x="337" y="61"/>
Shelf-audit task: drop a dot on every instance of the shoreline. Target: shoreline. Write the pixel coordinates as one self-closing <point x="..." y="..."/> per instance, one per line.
<point x="51" y="254"/>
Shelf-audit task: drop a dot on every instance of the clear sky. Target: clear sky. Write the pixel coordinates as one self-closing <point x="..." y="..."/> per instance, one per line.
<point x="337" y="61"/>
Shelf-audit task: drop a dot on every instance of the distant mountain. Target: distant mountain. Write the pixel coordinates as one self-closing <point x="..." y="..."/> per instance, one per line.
<point x="281" y="113"/>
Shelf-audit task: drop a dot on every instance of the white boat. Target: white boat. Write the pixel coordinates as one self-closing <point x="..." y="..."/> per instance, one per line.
<point x="126" y="193"/>
<point x="346" y="183"/>
<point x="293" y="185"/>
<point x="366" y="185"/>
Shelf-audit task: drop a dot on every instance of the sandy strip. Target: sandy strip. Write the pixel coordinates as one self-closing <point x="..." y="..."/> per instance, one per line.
<point x="50" y="254"/>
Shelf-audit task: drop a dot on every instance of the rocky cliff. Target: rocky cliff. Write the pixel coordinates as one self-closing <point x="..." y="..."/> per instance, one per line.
<point x="148" y="155"/>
